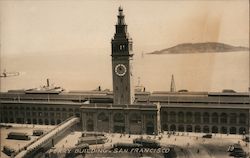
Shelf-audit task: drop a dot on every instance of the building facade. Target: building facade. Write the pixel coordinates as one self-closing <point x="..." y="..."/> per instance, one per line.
<point x="121" y="111"/>
<point x="133" y="119"/>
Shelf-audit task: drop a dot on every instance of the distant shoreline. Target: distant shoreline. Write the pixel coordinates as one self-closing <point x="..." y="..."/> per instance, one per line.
<point x="195" y="48"/>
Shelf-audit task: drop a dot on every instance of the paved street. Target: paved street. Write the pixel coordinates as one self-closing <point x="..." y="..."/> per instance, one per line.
<point x="186" y="145"/>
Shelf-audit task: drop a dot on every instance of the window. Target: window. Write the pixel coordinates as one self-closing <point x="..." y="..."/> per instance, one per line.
<point x="122" y="47"/>
<point x="33" y="113"/>
<point x="58" y="114"/>
<point x="189" y="117"/>
<point x="242" y="119"/>
<point x="46" y="114"/>
<point x="180" y="117"/>
<point x="27" y="113"/>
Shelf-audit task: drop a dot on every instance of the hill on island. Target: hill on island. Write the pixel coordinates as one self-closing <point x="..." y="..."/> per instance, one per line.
<point x="208" y="47"/>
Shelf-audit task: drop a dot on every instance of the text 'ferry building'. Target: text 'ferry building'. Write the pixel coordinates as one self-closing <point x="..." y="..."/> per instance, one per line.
<point x="125" y="110"/>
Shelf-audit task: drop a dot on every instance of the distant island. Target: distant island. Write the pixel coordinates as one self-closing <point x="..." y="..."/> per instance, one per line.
<point x="208" y="47"/>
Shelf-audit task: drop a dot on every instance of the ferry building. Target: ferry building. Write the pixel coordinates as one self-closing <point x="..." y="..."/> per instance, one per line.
<point x="124" y="110"/>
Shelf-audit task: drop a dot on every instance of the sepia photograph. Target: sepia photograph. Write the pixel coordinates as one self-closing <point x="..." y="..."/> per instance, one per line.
<point x="124" y="78"/>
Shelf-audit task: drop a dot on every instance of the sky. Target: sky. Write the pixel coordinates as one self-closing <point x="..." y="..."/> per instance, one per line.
<point x="51" y="25"/>
<point x="58" y="29"/>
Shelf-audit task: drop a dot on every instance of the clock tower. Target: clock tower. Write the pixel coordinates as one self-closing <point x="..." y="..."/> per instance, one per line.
<point x="122" y="56"/>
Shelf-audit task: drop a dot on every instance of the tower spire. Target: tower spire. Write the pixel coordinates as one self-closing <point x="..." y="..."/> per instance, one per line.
<point x="120" y="16"/>
<point x="172" y="86"/>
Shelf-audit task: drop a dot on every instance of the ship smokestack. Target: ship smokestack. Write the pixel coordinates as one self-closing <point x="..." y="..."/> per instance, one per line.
<point x="47" y="82"/>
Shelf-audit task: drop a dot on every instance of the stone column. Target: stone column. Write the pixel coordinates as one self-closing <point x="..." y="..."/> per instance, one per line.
<point x="95" y="120"/>
<point x="111" y="126"/>
<point x="156" y="123"/>
<point x="158" y="117"/>
<point x="84" y="121"/>
<point x="127" y="129"/>
<point x="143" y="122"/>
<point x="219" y="118"/>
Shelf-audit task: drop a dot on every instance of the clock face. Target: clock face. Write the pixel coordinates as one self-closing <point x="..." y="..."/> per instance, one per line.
<point x="120" y="70"/>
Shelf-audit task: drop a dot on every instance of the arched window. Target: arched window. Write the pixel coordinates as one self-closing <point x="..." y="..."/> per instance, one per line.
<point x="233" y="130"/>
<point x="172" y="128"/>
<point x="90" y="125"/>
<point x="189" y="128"/>
<point x="172" y="116"/>
<point x="214" y="129"/>
<point x="181" y="128"/>
<point x="58" y="121"/>
<point x="206" y="129"/>
<point x="40" y="121"/>
<point x="118" y="117"/>
<point x="197" y="129"/>
<point x="34" y="121"/>
<point x="215" y="118"/>
<point x="223" y="130"/>
<point x="135" y="118"/>
<point x="242" y="118"/>
<point x="205" y="117"/>
<point x="223" y="118"/>
<point x="242" y="130"/>
<point x="197" y="117"/>
<point x="102" y="117"/>
<point x="46" y="122"/>
<point x="232" y="118"/>
<point x="165" y="116"/>
<point x="52" y="122"/>
<point x="189" y="117"/>
<point x="28" y="121"/>
<point x="165" y="127"/>
<point x="181" y="117"/>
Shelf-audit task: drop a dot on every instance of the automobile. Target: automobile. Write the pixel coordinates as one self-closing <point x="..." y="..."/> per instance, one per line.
<point x="147" y="143"/>
<point x="37" y="132"/>
<point x="8" y="151"/>
<point x="207" y="136"/>
<point x="236" y="151"/>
